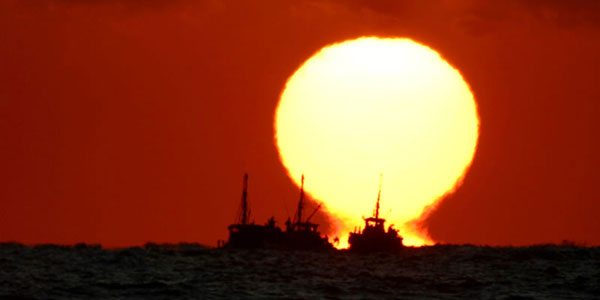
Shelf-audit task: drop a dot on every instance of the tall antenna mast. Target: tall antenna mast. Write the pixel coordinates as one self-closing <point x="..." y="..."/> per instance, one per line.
<point x="378" y="196"/>
<point x="301" y="199"/>
<point x="245" y="210"/>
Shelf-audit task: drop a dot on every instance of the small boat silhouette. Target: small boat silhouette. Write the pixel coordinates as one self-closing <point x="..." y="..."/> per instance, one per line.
<point x="299" y="234"/>
<point x="302" y="234"/>
<point x="246" y="234"/>
<point x="374" y="238"/>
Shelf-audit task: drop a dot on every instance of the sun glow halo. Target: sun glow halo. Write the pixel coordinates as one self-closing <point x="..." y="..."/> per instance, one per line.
<point x="369" y="106"/>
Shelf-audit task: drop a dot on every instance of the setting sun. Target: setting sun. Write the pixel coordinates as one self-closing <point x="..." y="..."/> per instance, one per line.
<point x="374" y="106"/>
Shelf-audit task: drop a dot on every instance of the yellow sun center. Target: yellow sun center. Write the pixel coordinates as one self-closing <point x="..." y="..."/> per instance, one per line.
<point x="369" y="106"/>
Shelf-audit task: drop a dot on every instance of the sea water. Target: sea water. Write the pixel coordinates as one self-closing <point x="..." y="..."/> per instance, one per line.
<point x="189" y="271"/>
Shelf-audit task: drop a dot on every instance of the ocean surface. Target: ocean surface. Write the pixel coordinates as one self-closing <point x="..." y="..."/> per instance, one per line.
<point x="189" y="271"/>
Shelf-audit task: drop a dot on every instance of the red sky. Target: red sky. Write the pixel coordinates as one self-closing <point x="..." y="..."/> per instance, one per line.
<point x="122" y="122"/>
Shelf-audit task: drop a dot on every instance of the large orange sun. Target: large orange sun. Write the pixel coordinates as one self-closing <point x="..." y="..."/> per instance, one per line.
<point x="377" y="105"/>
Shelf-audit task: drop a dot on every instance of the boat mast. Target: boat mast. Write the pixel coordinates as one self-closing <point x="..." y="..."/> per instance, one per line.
<point x="314" y="212"/>
<point x="378" y="197"/>
<point x="301" y="200"/>
<point x="245" y="210"/>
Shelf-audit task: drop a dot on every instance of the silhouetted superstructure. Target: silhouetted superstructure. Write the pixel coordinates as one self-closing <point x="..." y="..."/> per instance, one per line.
<point x="299" y="234"/>
<point x="302" y="234"/>
<point x="373" y="237"/>
<point x="249" y="235"/>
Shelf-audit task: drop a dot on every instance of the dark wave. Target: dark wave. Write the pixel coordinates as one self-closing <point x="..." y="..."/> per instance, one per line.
<point x="192" y="271"/>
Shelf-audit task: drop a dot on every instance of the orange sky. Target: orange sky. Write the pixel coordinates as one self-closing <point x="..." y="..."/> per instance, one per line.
<point x="123" y="123"/>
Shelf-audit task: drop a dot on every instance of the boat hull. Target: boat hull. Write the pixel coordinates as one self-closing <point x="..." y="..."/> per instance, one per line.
<point x="375" y="242"/>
